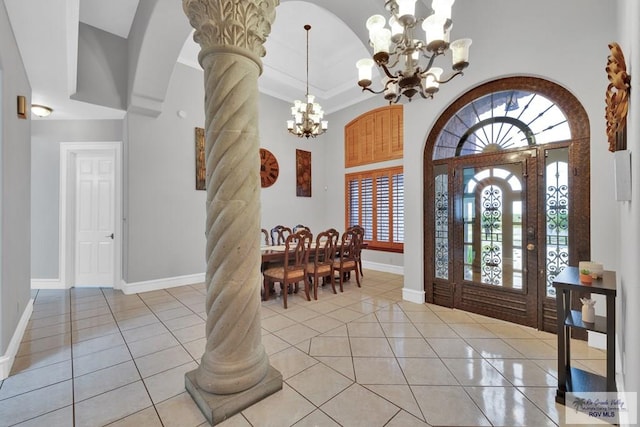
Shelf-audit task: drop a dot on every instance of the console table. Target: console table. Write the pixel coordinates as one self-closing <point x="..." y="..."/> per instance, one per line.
<point x="574" y="379"/>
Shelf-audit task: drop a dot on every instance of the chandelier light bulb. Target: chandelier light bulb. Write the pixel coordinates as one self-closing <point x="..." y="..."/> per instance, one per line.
<point x="374" y="24"/>
<point x="433" y="28"/>
<point x="365" y="67"/>
<point x="460" y="56"/>
<point x="382" y="40"/>
<point x="432" y="79"/>
<point x="391" y="90"/>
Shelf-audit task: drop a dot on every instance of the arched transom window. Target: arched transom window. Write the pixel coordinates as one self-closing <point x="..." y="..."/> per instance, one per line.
<point x="500" y="121"/>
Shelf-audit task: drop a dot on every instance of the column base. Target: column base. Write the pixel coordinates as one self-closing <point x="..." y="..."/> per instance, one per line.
<point x="218" y="407"/>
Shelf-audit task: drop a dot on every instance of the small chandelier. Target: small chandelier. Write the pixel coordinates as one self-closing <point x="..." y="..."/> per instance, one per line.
<point x="415" y="56"/>
<point x="307" y="116"/>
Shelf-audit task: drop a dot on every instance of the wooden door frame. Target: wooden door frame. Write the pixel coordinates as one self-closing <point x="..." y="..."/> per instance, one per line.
<point x="579" y="167"/>
<point x="67" y="199"/>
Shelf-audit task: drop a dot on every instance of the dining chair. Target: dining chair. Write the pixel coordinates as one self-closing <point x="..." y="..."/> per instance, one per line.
<point x="360" y="233"/>
<point x="267" y="239"/>
<point x="299" y="227"/>
<point x="347" y="262"/>
<point x="294" y="268"/>
<point x="323" y="255"/>
<point x="279" y="234"/>
<point x="335" y="238"/>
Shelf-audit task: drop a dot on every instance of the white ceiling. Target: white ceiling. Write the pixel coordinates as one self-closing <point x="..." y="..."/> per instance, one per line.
<point x="47" y="35"/>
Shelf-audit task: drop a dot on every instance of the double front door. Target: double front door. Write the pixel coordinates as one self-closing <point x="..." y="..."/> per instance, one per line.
<point x="501" y="233"/>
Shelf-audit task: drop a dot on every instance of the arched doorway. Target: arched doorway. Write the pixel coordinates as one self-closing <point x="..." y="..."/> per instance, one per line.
<point x="506" y="170"/>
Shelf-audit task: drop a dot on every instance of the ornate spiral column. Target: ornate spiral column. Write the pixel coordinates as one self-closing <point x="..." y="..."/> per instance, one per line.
<point x="234" y="367"/>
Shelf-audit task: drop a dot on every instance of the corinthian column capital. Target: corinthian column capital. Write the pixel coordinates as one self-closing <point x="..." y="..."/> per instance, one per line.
<point x="243" y="24"/>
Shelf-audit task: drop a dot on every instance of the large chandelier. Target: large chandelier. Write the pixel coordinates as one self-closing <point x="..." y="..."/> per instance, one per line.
<point x="307" y="115"/>
<point x="399" y="47"/>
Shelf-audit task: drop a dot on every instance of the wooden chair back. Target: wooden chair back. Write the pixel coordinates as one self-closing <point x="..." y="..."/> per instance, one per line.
<point x="347" y="261"/>
<point x="323" y="256"/>
<point x="348" y="245"/>
<point x="297" y="247"/>
<point x="359" y="232"/>
<point x="265" y="235"/>
<point x="299" y="227"/>
<point x="279" y="234"/>
<point x="334" y="235"/>
<point x="325" y="249"/>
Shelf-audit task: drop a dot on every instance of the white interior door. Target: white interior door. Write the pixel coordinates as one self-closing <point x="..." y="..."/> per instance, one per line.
<point x="95" y="199"/>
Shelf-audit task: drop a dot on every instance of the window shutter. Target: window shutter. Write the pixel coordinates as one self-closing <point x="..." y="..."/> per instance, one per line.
<point x="398" y="208"/>
<point x="382" y="206"/>
<point x="375" y="201"/>
<point x="367" y="207"/>
<point x="354" y="202"/>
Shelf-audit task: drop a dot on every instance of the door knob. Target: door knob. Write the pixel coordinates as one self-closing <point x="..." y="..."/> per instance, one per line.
<point x="531" y="247"/>
<point x="110" y="236"/>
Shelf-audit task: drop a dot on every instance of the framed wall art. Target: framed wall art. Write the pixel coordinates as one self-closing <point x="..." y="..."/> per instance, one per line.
<point x="303" y="173"/>
<point x="201" y="171"/>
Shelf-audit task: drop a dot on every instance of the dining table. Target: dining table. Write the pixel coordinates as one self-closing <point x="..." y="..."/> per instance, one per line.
<point x="275" y="253"/>
<point x="272" y="253"/>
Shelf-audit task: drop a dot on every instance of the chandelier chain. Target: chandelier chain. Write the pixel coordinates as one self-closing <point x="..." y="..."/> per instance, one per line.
<point x="307" y="28"/>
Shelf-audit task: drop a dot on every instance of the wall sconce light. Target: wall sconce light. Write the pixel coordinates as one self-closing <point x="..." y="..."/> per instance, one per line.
<point x="41" y="110"/>
<point x="22" y="107"/>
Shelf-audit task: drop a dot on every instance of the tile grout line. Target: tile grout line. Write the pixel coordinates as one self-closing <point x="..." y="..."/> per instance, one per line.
<point x="133" y="360"/>
<point x="329" y="367"/>
<point x="400" y="408"/>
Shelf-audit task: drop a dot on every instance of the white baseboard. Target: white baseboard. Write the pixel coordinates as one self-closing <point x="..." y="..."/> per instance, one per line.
<point x="154" y="285"/>
<point x="385" y="268"/>
<point x="412" y="295"/>
<point x="46" y="284"/>
<point x="130" y="288"/>
<point x="6" y="360"/>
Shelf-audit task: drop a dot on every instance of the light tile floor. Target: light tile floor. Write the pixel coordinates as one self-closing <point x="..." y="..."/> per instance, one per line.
<point x="94" y="357"/>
